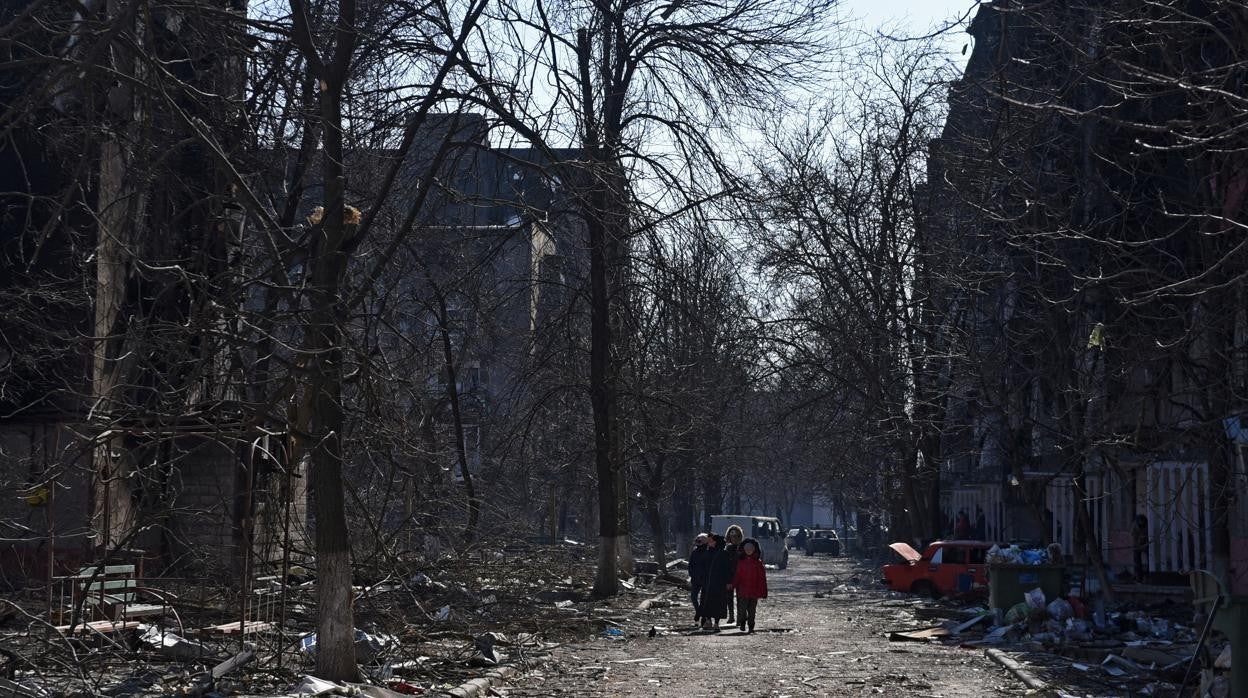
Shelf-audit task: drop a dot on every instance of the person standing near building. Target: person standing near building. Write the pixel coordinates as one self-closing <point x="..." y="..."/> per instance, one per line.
<point x="981" y="524"/>
<point x="962" y="526"/>
<point x="1139" y="540"/>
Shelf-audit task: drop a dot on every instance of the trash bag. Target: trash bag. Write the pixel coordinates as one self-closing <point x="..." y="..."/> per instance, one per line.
<point x="367" y="646"/>
<point x="1017" y="613"/>
<point x="1078" y="630"/>
<point x="1035" y="598"/>
<point x="171" y="644"/>
<point x="1060" y="609"/>
<point x="613" y="634"/>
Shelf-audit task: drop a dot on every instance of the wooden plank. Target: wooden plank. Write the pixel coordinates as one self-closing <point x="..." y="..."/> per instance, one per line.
<point x="233" y="663"/>
<point x="99" y="626"/>
<point x="252" y="626"/>
<point x="921" y="635"/>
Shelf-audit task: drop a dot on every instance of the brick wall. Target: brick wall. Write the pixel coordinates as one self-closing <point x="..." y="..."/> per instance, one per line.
<point x="202" y="506"/>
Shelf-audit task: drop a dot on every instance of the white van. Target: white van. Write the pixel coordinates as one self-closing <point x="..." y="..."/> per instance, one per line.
<point x="765" y="529"/>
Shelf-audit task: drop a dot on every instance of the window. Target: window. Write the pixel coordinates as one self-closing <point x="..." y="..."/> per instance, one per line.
<point x="955" y="556"/>
<point x="976" y="556"/>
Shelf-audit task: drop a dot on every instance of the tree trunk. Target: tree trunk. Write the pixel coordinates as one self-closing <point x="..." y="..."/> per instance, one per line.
<point x="624" y="550"/>
<point x="712" y="491"/>
<point x="654" y="515"/>
<point x="601" y="368"/>
<point x="606" y="582"/>
<point x="682" y="511"/>
<point x="120" y="207"/>
<point x="452" y="394"/>
<point x="324" y="418"/>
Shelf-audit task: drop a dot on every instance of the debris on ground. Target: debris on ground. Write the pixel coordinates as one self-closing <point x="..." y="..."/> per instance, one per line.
<point x="1132" y="648"/>
<point x="421" y="630"/>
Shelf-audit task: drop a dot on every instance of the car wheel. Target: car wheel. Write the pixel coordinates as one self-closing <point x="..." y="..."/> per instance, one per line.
<point x="784" y="561"/>
<point x="924" y="588"/>
<point x="809" y="552"/>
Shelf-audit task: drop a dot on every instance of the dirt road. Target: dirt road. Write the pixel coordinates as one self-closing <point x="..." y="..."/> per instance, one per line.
<point x="836" y="645"/>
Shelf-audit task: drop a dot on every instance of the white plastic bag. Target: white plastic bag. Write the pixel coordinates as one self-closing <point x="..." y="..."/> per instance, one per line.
<point x="1035" y="598"/>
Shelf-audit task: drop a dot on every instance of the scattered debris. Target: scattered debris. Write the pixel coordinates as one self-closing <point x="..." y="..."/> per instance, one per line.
<point x="170" y="644"/>
<point x="962" y="627"/>
<point x="613" y="634"/>
<point x="228" y="666"/>
<point x="921" y="635"/>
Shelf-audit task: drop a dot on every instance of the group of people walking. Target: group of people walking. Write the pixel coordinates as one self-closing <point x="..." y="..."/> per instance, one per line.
<point x="724" y="569"/>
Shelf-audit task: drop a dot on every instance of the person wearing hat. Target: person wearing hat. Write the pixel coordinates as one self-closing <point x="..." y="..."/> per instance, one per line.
<point x="699" y="565"/>
<point x="713" y="603"/>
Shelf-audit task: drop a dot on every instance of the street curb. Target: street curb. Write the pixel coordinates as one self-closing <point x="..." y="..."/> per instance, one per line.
<point x="1016" y="669"/>
<point x="476" y="688"/>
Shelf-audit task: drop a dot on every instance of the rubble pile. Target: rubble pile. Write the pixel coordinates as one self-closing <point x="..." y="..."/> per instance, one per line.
<point x="1130" y="650"/>
<point x="435" y="625"/>
<point x="1014" y="555"/>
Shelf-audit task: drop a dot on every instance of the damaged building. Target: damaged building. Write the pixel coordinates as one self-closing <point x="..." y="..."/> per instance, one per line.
<point x="1089" y="406"/>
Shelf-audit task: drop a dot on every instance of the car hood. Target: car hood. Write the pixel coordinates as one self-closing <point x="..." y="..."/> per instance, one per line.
<point x="904" y="550"/>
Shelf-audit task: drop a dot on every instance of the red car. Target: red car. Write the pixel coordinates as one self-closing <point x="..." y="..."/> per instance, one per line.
<point x="945" y="567"/>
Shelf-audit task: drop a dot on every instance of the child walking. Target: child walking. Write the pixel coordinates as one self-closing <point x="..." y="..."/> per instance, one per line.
<point x="750" y="583"/>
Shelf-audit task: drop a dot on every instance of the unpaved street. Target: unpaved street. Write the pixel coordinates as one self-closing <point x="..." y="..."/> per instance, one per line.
<point x="804" y="646"/>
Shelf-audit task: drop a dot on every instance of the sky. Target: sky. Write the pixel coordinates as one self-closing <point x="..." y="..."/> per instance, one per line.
<point x="916" y="16"/>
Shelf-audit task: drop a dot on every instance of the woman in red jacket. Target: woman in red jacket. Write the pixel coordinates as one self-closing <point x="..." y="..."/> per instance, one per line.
<point x="750" y="582"/>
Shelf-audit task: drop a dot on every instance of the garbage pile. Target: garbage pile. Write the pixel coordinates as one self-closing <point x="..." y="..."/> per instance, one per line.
<point x="1136" y="651"/>
<point x="1014" y="555"/>
<point x="422" y="626"/>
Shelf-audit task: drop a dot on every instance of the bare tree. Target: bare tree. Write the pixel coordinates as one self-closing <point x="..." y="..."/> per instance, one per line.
<point x="626" y="76"/>
<point x="840" y="234"/>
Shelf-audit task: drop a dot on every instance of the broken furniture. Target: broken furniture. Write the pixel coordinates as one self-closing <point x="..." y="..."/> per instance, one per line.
<point x="112" y="598"/>
<point x="1228" y="615"/>
<point x="262" y="598"/>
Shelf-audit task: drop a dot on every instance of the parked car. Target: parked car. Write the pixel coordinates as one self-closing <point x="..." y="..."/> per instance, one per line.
<point x="944" y="567"/>
<point x="765" y="529"/>
<point x="823" y="541"/>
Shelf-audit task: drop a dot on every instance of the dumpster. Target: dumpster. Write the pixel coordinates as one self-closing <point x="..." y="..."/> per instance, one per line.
<point x="1007" y="583"/>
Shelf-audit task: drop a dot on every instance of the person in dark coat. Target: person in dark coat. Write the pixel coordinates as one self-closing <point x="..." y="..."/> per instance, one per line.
<point x="734" y="535"/>
<point x="1139" y="547"/>
<point x="800" y="538"/>
<point x="699" y="565"/>
<point x="981" y="524"/>
<point x="750" y="583"/>
<point x="962" y="526"/>
<point x="714" y="602"/>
